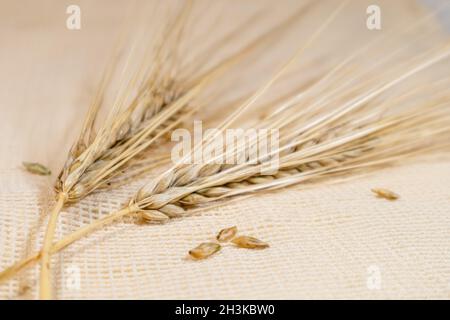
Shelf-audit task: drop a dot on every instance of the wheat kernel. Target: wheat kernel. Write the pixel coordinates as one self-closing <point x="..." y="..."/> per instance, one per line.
<point x="226" y="234"/>
<point x="37" y="168"/>
<point x="386" y="194"/>
<point x="249" y="243"/>
<point x="204" y="250"/>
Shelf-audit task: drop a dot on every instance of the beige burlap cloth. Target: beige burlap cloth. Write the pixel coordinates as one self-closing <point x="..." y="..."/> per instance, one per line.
<point x="330" y="241"/>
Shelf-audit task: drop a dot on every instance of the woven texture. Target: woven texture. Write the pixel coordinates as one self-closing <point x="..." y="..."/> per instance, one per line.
<point x="326" y="241"/>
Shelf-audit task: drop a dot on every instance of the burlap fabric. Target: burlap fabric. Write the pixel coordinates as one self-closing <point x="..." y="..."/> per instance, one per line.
<point x="327" y="241"/>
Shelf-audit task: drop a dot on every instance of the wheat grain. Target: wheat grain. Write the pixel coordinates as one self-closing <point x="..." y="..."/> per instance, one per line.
<point x="204" y="250"/>
<point x="37" y="168"/>
<point x="226" y="234"/>
<point x="385" y="193"/>
<point x="249" y="243"/>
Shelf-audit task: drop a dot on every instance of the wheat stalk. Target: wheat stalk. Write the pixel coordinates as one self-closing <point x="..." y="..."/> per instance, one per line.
<point x="96" y="158"/>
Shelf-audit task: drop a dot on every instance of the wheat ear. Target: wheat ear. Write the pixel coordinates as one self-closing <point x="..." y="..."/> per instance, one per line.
<point x="367" y="145"/>
<point x="75" y="192"/>
<point x="98" y="157"/>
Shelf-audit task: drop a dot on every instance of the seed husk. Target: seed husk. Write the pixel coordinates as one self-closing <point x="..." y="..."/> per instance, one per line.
<point x="37" y="168"/>
<point x="204" y="250"/>
<point x="226" y="234"/>
<point x="249" y="242"/>
<point x="172" y="211"/>
<point x="386" y="194"/>
<point x="153" y="216"/>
